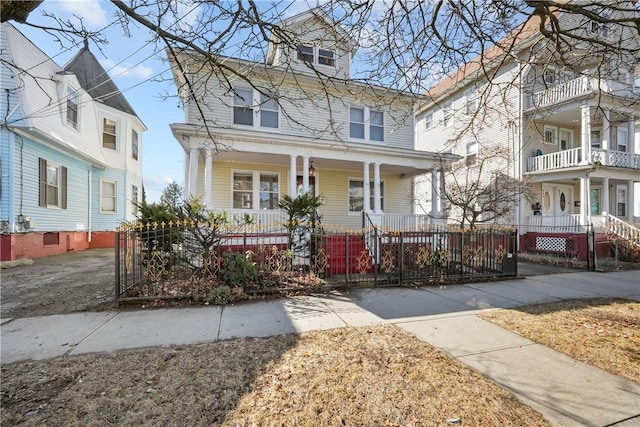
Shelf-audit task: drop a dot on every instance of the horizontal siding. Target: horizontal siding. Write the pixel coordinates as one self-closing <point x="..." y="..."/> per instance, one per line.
<point x="308" y="112"/>
<point x="27" y="188"/>
<point x="5" y="168"/>
<point x="332" y="184"/>
<point x="109" y="221"/>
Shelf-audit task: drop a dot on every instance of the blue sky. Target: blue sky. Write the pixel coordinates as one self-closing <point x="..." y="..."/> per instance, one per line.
<point x="138" y="71"/>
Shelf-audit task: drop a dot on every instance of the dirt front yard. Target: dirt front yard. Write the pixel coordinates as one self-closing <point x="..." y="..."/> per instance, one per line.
<point x="76" y="281"/>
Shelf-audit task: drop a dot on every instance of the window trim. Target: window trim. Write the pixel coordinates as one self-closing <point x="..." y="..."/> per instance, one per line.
<point x="471" y="101"/>
<point x="447" y="114"/>
<point x="554" y="130"/>
<point x="255" y="188"/>
<point x="315" y="55"/>
<point x="624" y="189"/>
<point x="134" y="200"/>
<point x="256" y="109"/>
<point x="72" y="104"/>
<point x="62" y="191"/>
<point x="428" y="121"/>
<point x="367" y="125"/>
<point x="371" y="194"/>
<point x="135" y="144"/>
<point x="115" y="197"/>
<point x="625" y="131"/>
<point x="116" y="126"/>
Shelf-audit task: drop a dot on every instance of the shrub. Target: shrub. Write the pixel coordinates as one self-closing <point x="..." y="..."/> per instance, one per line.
<point x="239" y="268"/>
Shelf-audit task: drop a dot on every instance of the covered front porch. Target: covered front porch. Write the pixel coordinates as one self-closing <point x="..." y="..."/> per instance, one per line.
<point x="250" y="177"/>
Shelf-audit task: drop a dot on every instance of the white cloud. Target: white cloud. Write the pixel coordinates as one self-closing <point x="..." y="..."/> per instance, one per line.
<point x="122" y="70"/>
<point x="91" y="11"/>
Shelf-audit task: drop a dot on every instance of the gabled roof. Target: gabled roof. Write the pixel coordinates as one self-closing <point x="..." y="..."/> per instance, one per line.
<point x="291" y="23"/>
<point x="94" y="79"/>
<point x="506" y="45"/>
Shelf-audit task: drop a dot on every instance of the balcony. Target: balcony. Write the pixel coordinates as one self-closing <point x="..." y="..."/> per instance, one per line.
<point x="580" y="86"/>
<point x="573" y="157"/>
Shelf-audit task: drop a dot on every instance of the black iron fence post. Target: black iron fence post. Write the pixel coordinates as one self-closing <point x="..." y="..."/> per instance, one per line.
<point x="591" y="253"/>
<point x="117" y="281"/>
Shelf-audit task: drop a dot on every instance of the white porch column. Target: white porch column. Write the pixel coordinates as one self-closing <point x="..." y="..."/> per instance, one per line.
<point x="584" y="209"/>
<point x="605" y="196"/>
<point x="630" y="200"/>
<point x="293" y="177"/>
<point x="208" y="178"/>
<point x="435" y="199"/>
<point x="585" y="135"/>
<point x="365" y="188"/>
<point x="606" y="135"/>
<point x="305" y="174"/>
<point x="187" y="175"/>
<point x="193" y="172"/>
<point x="377" y="205"/>
<point x="631" y="143"/>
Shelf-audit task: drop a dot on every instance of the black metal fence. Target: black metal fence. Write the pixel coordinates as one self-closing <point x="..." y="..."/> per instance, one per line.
<point x="204" y="261"/>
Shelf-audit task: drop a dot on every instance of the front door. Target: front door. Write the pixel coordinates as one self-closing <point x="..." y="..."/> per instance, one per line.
<point x="556" y="200"/>
<point x="565" y="139"/>
<point x="563" y="200"/>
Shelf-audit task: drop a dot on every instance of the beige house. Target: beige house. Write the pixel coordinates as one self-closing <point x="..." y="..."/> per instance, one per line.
<point x="296" y="123"/>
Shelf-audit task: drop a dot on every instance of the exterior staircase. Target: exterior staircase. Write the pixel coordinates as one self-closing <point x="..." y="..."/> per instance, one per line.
<point x="623" y="233"/>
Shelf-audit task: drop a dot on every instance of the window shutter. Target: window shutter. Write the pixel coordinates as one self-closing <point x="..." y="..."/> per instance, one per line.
<point x="43" y="182"/>
<point x="63" y="185"/>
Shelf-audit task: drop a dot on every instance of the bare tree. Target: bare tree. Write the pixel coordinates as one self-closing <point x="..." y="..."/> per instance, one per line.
<point x="404" y="49"/>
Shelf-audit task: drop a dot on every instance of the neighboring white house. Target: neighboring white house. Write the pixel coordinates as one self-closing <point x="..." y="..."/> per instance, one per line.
<point x="71" y="152"/>
<point x="573" y="134"/>
<point x="351" y="144"/>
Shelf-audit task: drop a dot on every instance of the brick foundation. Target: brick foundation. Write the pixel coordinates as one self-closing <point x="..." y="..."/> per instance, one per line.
<point x="38" y="244"/>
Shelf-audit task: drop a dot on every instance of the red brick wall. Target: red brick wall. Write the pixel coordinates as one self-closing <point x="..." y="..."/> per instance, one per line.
<point x="102" y="239"/>
<point x="31" y="245"/>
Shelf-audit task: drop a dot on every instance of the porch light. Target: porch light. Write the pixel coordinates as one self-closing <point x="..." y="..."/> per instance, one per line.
<point x="312" y="170"/>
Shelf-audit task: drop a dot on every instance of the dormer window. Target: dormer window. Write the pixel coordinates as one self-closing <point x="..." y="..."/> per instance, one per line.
<point x="326" y="57"/>
<point x="549" y="77"/>
<point x="72" y="108"/>
<point x="317" y="56"/>
<point x="305" y="53"/>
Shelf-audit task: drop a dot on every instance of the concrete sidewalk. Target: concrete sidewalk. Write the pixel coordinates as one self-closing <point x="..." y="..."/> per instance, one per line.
<point x="565" y="391"/>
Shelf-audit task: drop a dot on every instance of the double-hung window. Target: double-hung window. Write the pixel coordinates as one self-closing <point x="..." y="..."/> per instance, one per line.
<point x="243" y="107"/>
<point x="316" y="55"/>
<point x="356" y="195"/>
<point x="356" y="123"/>
<point x="622" y="138"/>
<point x="376" y="125"/>
<point x="72" y="108"/>
<point x="366" y="124"/>
<point x="621" y="201"/>
<point x="246" y="112"/>
<point x="134" y="144"/>
<point x="251" y="186"/>
<point x="428" y="121"/>
<point x="472" y="153"/>
<point x="53" y="185"/>
<point x="134" y="200"/>
<point x="108" y="196"/>
<point x="305" y="53"/>
<point x="447" y="114"/>
<point x="109" y="132"/>
<point x="268" y="112"/>
<point x="326" y="57"/>
<point x="472" y="101"/>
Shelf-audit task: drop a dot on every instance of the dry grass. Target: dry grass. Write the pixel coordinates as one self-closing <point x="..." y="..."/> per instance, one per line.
<point x="353" y="376"/>
<point x="602" y="332"/>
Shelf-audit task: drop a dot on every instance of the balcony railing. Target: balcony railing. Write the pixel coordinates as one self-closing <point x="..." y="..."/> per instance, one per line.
<point x="557" y="160"/>
<point x="580" y="86"/>
<point x="573" y="157"/>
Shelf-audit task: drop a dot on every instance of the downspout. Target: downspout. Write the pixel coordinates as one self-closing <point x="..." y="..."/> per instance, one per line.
<point x="90" y="212"/>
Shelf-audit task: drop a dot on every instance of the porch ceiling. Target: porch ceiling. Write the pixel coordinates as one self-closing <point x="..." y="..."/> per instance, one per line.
<point x="319" y="163"/>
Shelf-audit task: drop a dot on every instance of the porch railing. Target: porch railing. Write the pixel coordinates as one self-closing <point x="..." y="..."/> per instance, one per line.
<point x="557" y="160"/>
<point x="580" y="86"/>
<point x="558" y="224"/>
<point x="400" y="221"/>
<point x="622" y="230"/>
<point x="573" y="157"/>
<point x="263" y="219"/>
